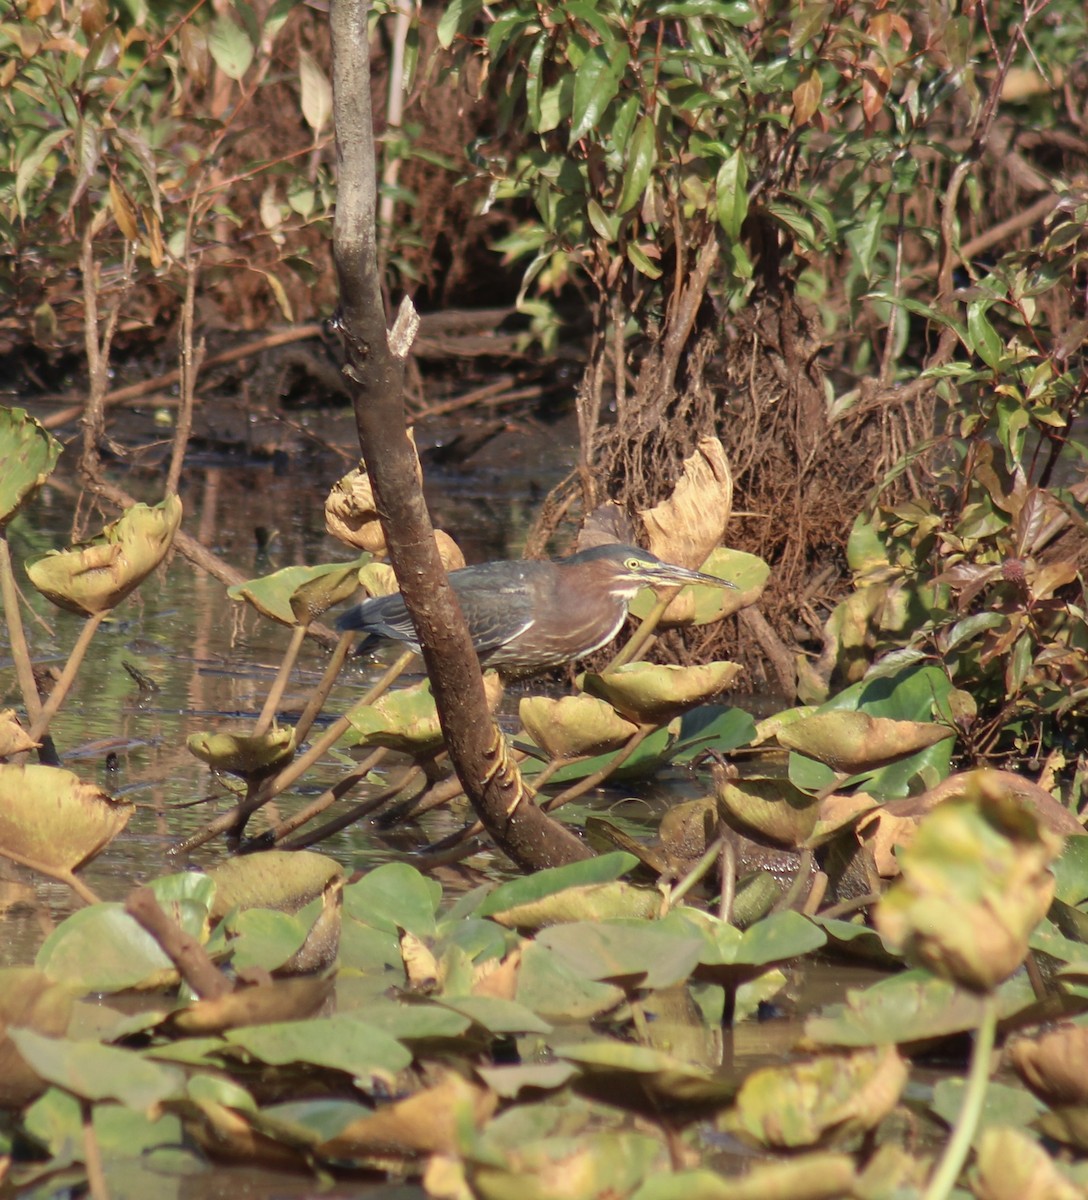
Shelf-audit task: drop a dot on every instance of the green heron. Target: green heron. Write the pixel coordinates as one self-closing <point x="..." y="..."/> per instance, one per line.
<point x="528" y="615"/>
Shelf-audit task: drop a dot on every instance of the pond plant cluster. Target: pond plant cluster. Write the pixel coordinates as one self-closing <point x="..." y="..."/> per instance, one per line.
<point x="574" y="1033"/>
<point x="569" y="1031"/>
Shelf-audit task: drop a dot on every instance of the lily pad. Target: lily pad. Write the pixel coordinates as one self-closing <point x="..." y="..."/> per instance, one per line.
<point x="14" y="739"/>
<point x="574" y="726"/>
<point x="771" y="808"/>
<point x="250" y="756"/>
<point x="29" y="454"/>
<point x="278" y="879"/>
<point x="51" y="818"/>
<point x="855" y="741"/>
<point x="652" y="694"/>
<point x="299" y="594"/>
<point x="813" y="1103"/>
<point x="95" y="576"/>
<point x="29" y="999"/>
<point x="407" y="719"/>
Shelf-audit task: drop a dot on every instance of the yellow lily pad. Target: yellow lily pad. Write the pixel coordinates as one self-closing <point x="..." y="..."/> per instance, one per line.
<point x="854" y="741"/>
<point x="407" y="719"/>
<point x="14" y="739"/>
<point x="95" y="576"/>
<point x="771" y="808"/>
<point x="54" y="819"/>
<point x="297" y="594"/>
<point x="251" y="757"/>
<point x="652" y="694"/>
<point x="574" y="725"/>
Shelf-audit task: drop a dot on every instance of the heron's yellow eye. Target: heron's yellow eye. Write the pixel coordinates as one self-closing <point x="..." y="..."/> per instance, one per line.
<point x="634" y="564"/>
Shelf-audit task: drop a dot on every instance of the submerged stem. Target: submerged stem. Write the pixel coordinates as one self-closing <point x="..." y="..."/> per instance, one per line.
<point x="68" y="676"/>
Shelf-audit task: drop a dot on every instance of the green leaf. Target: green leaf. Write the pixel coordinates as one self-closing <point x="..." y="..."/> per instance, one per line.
<point x="456" y="18"/>
<point x="28" y="453"/>
<point x="982" y="338"/>
<point x="394" y="896"/>
<point x="339" y="1042"/>
<point x="534" y="81"/>
<point x="731" y="194"/>
<point x="230" y="47"/>
<point x="641" y="158"/>
<point x="642" y="263"/>
<point x="596" y="83"/>
<point x="602" y="869"/>
<point x="95" y="1072"/>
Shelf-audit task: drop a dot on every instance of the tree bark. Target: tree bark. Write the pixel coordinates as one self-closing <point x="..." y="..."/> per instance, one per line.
<point x="376" y="360"/>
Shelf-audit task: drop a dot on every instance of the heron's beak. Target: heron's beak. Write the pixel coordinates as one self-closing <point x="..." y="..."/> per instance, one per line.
<point x="677" y="576"/>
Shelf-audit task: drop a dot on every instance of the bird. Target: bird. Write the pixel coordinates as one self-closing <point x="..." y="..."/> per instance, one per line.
<point x="529" y="615"/>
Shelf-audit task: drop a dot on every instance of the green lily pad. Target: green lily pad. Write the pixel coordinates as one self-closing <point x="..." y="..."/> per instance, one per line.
<point x="855" y="741"/>
<point x="394" y="896"/>
<point x="532" y="888"/>
<point x="95" y="576"/>
<point x="286" y="880"/>
<point x="635" y="953"/>
<point x="250" y="756"/>
<point x="339" y="1042"/>
<point x="29" y="454"/>
<point x="296" y="595"/>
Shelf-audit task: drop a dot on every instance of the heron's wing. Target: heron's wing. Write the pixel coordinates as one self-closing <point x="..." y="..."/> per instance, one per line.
<point x="385" y="616"/>
<point x="498" y="606"/>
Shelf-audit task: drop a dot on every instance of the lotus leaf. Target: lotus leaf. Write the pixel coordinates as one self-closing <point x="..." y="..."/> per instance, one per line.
<point x="688" y="525"/>
<point x="767" y="807"/>
<point x="29" y="455"/>
<point x="300" y="594"/>
<point x="974" y="883"/>
<point x="407" y="719"/>
<point x="1010" y="1165"/>
<point x="855" y="741"/>
<point x="811" y="1103"/>
<point x="29" y="999"/>
<point x="251" y="756"/>
<point x="429" y="1122"/>
<point x="574" y="726"/>
<point x="278" y="879"/>
<point x="52" y="819"/>
<point x="95" y="576"/>
<point x="14" y="739"/>
<point x="651" y="694"/>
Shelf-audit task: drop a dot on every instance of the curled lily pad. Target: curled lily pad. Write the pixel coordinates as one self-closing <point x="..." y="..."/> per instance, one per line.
<point x="300" y="594"/>
<point x="651" y="694"/>
<point x="407" y="719"/>
<point x="769" y="807"/>
<point x="54" y="820"/>
<point x="351" y="516"/>
<point x="95" y="576"/>
<point x="14" y="739"/>
<point x="280" y="879"/>
<point x="1054" y="1063"/>
<point x="691" y="522"/>
<point x="974" y="884"/>
<point x="351" y="513"/>
<point x="247" y="755"/>
<point x="574" y="725"/>
<point x="28" y="453"/>
<point x="701" y="604"/>
<point x="1011" y="1165"/>
<point x="379" y="579"/>
<point x="817" y="1102"/>
<point x="854" y="741"/>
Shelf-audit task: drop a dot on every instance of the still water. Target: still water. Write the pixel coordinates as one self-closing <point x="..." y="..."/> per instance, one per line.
<point x="213" y="659"/>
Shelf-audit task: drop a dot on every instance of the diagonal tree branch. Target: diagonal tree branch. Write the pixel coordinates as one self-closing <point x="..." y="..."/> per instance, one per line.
<point x="376" y="361"/>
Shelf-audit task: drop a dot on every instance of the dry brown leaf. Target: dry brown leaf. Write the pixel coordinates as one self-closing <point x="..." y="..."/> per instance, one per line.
<point x="686" y="527"/>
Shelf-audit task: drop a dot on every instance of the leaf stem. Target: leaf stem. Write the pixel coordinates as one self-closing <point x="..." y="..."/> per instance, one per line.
<point x="963" y="1133"/>
<point x="63" y="685"/>
<point x="24" y="669"/>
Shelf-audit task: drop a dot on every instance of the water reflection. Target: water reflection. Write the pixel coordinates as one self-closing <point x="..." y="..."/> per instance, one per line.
<point x="210" y="660"/>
